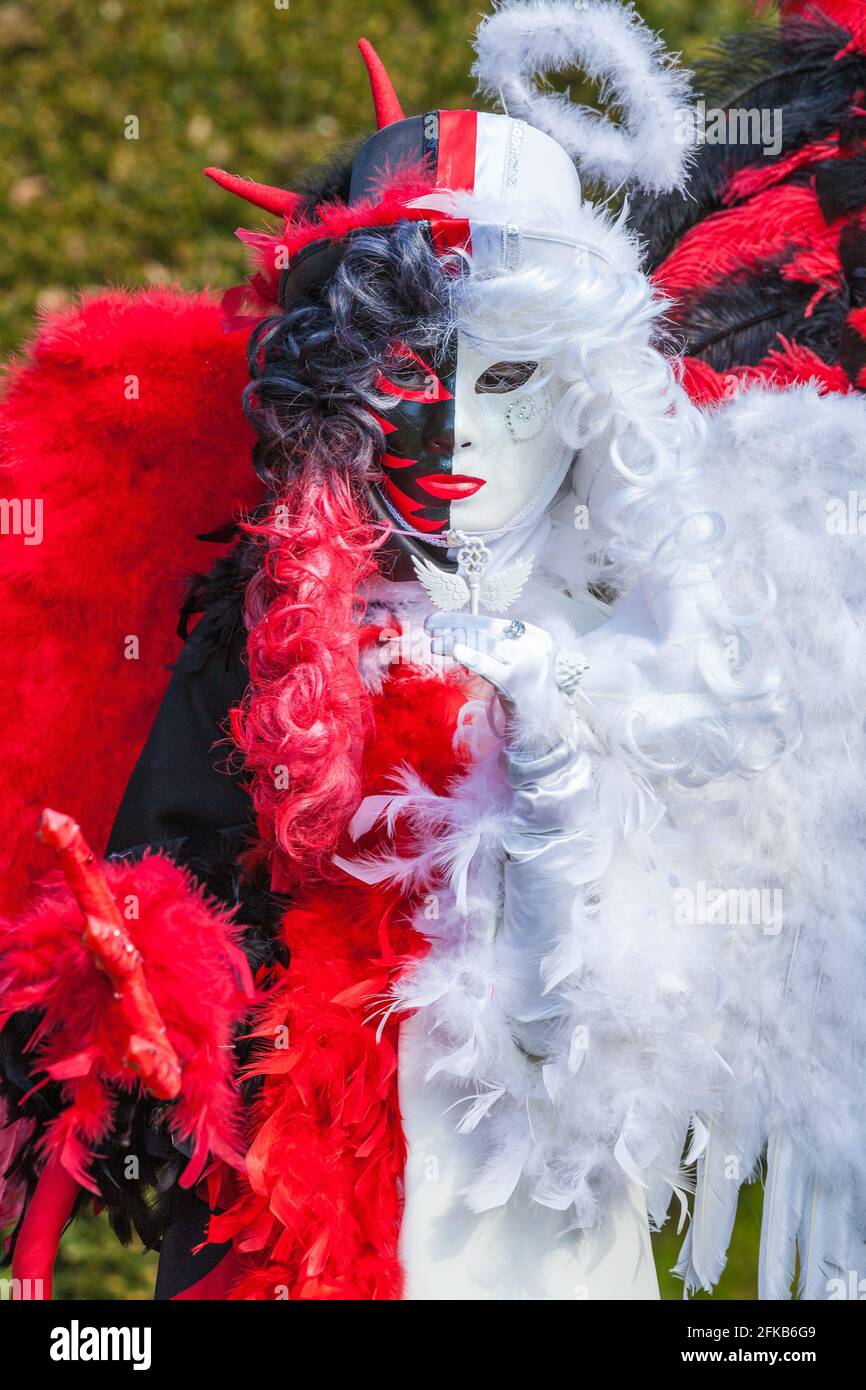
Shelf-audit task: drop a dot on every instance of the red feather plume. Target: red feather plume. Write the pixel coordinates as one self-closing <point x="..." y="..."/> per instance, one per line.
<point x="200" y="983"/>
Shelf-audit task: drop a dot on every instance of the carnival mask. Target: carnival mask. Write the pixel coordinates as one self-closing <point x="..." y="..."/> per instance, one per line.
<point x="470" y="444"/>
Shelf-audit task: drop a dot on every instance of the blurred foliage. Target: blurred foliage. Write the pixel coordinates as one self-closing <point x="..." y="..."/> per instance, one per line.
<point x="261" y="87"/>
<point x="93" y="1263"/>
<point x="740" y="1279"/>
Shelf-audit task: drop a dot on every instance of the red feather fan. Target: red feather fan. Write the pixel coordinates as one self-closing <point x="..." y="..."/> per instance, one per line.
<point x="764" y="259"/>
<point x="124" y="424"/>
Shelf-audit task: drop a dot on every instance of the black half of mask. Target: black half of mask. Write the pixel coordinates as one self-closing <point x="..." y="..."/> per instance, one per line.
<point x="418" y="429"/>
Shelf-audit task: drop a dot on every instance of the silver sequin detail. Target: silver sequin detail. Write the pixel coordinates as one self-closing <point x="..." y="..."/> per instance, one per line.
<point x="512" y="156"/>
<point x="511" y="246"/>
<point x="526" y="416"/>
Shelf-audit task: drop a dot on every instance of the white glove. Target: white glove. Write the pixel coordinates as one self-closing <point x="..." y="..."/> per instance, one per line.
<point x="520" y="660"/>
<point x="547" y="861"/>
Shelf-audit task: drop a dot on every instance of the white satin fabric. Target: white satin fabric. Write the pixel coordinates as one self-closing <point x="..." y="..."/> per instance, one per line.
<point x="516" y="1252"/>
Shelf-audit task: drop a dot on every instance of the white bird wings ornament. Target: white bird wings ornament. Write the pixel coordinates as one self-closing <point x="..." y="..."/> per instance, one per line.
<point x="450" y="593"/>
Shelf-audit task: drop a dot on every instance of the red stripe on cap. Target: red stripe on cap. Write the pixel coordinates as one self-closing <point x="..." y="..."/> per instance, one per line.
<point x="455" y="169"/>
<point x="455" y="163"/>
<point x="450" y="234"/>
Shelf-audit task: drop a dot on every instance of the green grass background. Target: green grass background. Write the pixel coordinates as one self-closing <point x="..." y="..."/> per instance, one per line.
<point x="263" y="88"/>
<point x="93" y="1265"/>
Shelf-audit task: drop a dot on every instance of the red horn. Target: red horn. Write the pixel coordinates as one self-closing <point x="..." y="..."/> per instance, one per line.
<point x="388" y="108"/>
<point x="261" y="195"/>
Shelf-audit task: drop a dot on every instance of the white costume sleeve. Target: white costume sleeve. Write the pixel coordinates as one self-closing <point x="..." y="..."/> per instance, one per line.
<point x="547" y="866"/>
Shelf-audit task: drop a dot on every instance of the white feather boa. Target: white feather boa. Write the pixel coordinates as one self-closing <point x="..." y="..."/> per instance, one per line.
<point x="626" y="1058"/>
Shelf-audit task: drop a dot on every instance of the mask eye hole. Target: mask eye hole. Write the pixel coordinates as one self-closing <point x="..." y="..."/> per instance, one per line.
<point x="410" y="378"/>
<point x="503" y="377"/>
<point x="408" y="375"/>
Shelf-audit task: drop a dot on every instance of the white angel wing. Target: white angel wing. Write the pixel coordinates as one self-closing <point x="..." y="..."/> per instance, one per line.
<point x="499" y="591"/>
<point x="448" y="592"/>
<point x="791" y="862"/>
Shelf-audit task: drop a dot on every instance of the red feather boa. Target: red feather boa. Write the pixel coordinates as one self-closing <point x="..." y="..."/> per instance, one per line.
<point x="319" y="1215"/>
